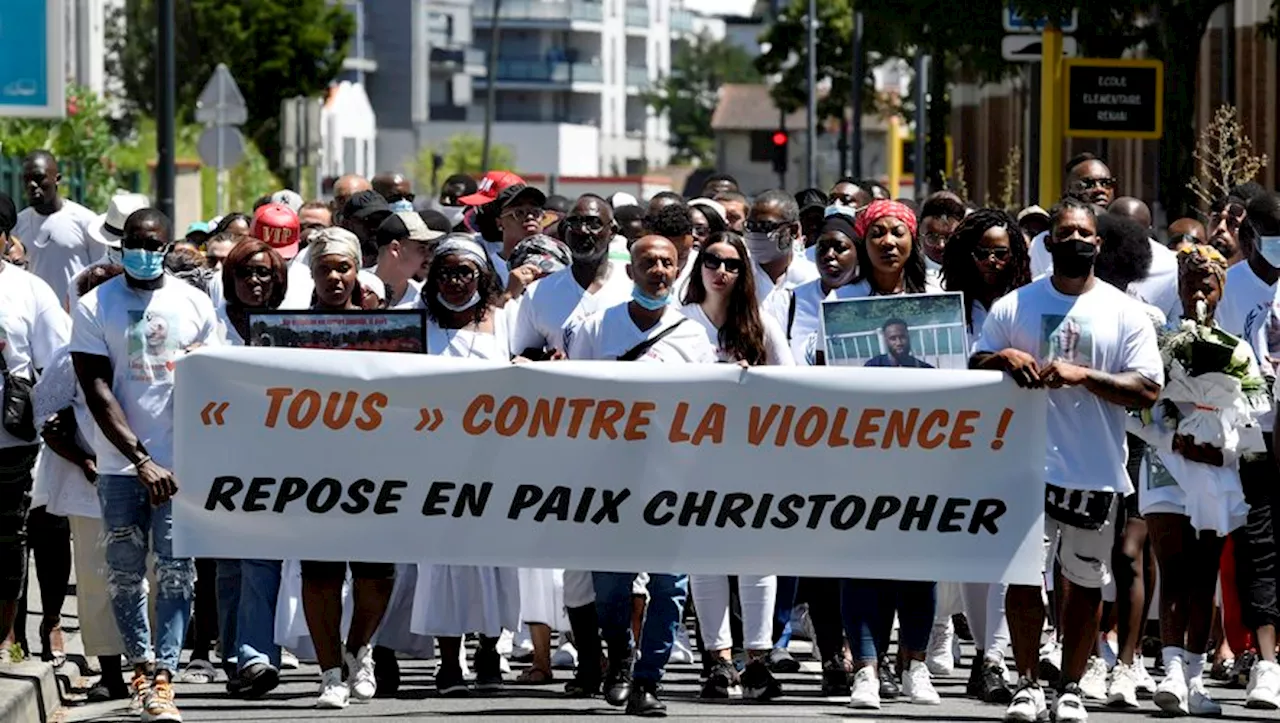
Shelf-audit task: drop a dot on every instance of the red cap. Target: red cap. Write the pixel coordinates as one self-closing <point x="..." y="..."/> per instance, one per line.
<point x="490" y="186"/>
<point x="277" y="224"/>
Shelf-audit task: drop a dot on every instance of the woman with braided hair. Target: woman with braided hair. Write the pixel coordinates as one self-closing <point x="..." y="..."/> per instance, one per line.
<point x="986" y="257"/>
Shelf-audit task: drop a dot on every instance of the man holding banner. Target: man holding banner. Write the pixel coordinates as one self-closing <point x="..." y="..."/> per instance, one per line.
<point x="1095" y="350"/>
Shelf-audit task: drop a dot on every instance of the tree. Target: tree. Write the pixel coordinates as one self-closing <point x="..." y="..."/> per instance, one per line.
<point x="276" y="50"/>
<point x="1171" y="31"/>
<point x="963" y="38"/>
<point x="462" y="153"/>
<point x="689" y="94"/>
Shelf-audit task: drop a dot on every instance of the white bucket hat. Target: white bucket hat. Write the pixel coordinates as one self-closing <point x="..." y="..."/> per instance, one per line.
<point x="108" y="229"/>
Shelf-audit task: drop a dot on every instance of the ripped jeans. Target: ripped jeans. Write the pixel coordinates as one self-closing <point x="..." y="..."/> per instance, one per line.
<point x="128" y="519"/>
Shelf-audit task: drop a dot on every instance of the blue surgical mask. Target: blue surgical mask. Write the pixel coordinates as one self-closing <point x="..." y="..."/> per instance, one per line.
<point x="647" y="302"/>
<point x="1269" y="247"/>
<point x="401" y="205"/>
<point x="143" y="265"/>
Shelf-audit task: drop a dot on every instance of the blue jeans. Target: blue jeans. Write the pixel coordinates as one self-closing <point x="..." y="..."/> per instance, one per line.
<point x="667" y="594"/>
<point x="866" y="603"/>
<point x="784" y="603"/>
<point x="247" y="591"/>
<point x="128" y="520"/>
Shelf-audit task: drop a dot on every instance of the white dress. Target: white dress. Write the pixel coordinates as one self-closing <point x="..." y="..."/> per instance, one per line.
<point x="453" y="600"/>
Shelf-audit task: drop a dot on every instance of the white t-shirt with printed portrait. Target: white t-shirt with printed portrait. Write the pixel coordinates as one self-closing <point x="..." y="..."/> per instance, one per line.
<point x="143" y="333"/>
<point x="33" y="327"/>
<point x="608" y="334"/>
<point x="1103" y="329"/>
<point x="552" y="305"/>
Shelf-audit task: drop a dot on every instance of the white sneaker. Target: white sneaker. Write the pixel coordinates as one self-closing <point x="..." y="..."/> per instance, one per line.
<point x="1264" y="686"/>
<point x="333" y="690"/>
<point x="1199" y="703"/>
<point x="917" y="687"/>
<point x="1028" y="704"/>
<point x="565" y="657"/>
<point x="521" y="647"/>
<point x="1069" y="706"/>
<point x="1050" y="660"/>
<point x="505" y="642"/>
<point x="866" y="689"/>
<point x="1171" y="695"/>
<point x="1146" y="684"/>
<point x="1122" y="691"/>
<point x="1094" y="683"/>
<point x="363" y="686"/>
<point x="939" y="659"/>
<point x="681" y="652"/>
<point x="288" y="661"/>
<point x="462" y="660"/>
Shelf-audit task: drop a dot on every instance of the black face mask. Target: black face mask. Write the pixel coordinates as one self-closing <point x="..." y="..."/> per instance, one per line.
<point x="1073" y="259"/>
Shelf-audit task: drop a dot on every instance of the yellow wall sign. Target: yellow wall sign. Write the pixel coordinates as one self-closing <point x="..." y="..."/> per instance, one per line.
<point x="1108" y="98"/>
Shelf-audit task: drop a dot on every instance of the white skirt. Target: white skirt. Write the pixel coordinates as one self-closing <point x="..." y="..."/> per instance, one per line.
<point x="542" y="597"/>
<point x="395" y="632"/>
<point x="454" y="600"/>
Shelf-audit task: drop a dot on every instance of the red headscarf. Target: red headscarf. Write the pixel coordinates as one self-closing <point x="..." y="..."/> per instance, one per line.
<point x="878" y="210"/>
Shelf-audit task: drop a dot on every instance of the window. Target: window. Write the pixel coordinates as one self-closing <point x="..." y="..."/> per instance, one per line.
<point x="348" y="155"/>
<point x="762" y="146"/>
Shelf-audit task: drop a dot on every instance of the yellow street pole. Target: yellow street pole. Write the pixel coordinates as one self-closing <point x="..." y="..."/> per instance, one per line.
<point x="1052" y="111"/>
<point x="895" y="157"/>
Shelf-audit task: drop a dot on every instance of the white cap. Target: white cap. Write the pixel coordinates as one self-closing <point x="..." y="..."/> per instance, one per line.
<point x="287" y="198"/>
<point x="622" y="198"/>
<point x="710" y="205"/>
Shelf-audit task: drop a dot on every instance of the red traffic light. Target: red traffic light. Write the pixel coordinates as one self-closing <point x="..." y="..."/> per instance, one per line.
<point x="780" y="138"/>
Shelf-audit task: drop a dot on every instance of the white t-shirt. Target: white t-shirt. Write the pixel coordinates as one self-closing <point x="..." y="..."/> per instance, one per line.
<point x="1159" y="289"/>
<point x="469" y="343"/>
<point x="226" y="330"/>
<point x="1102" y="329"/>
<point x="552" y="305"/>
<point x="59" y="245"/>
<point x="608" y="334"/>
<point x="1250" y="309"/>
<point x="801" y="270"/>
<point x="143" y="333"/>
<point x="803" y="331"/>
<point x="33" y="327"/>
<point x="775" y="339"/>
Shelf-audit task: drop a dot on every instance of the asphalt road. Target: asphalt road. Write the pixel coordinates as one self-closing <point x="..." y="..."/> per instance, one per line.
<point x="417" y="699"/>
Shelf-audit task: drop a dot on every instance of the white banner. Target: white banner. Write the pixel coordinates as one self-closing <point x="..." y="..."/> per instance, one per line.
<point x="875" y="473"/>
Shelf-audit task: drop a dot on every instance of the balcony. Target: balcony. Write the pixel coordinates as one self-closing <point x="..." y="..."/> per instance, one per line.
<point x="447" y="112"/>
<point x="527" y="115"/>
<point x="541" y="11"/>
<point x="550" y="72"/>
<point x="458" y="57"/>
<point x="360" y="56"/>
<point x="637" y="76"/>
<point x="681" y="21"/>
<point x="637" y="16"/>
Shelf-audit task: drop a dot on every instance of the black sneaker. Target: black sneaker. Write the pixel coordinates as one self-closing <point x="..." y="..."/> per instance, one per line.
<point x="835" y="679"/>
<point x="617" y="682"/>
<point x="890" y="688"/>
<point x="449" y="682"/>
<point x="781" y="662"/>
<point x="582" y="685"/>
<point x="644" y="702"/>
<point x="488" y="671"/>
<point x="1243" y="669"/>
<point x="758" y="683"/>
<point x="961" y="625"/>
<point x="257" y="680"/>
<point x="101" y="693"/>
<point x="995" y="687"/>
<point x="722" y="682"/>
<point x="386" y="672"/>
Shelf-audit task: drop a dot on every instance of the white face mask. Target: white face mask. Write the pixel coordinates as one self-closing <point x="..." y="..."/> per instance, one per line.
<point x="1269" y="247"/>
<point x="475" y="299"/>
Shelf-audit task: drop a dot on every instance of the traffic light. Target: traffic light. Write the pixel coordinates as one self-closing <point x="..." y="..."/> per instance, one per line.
<point x="780" y="152"/>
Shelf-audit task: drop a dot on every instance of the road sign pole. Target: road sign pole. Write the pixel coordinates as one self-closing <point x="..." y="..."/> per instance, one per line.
<point x="165" y="109"/>
<point x="1051" y="102"/>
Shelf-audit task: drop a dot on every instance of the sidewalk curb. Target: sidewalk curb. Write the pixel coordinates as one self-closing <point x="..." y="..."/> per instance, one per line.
<point x="28" y="693"/>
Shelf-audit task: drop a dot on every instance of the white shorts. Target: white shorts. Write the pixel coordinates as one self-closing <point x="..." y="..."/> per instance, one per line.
<point x="1084" y="555"/>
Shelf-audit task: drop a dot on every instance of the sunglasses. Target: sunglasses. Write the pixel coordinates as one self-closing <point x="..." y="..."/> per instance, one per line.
<point x="401" y="197"/>
<point x="757" y="226"/>
<point x="984" y="254"/>
<point x="463" y="274"/>
<point x="701" y="230"/>
<point x="711" y="262"/>
<point x="588" y="223"/>
<point x="523" y="212"/>
<point x="261" y="273"/>
<point x="1088" y="184"/>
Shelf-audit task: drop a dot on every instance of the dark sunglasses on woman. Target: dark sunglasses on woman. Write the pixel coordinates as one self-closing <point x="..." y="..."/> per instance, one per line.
<point x="713" y="263"/>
